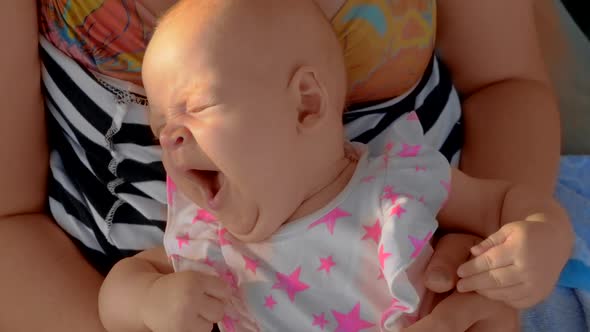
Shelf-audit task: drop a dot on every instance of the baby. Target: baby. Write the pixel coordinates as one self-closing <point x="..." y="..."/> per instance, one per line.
<point x="276" y="222"/>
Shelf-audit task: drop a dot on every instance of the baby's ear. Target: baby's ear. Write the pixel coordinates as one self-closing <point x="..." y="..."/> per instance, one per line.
<point x="310" y="97"/>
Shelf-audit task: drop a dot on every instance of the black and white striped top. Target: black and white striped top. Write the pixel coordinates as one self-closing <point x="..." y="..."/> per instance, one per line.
<point x="106" y="186"/>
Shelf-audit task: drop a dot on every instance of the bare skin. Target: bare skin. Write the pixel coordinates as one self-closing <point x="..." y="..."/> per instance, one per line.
<point x="22" y="216"/>
<point x="62" y="296"/>
<point x="512" y="265"/>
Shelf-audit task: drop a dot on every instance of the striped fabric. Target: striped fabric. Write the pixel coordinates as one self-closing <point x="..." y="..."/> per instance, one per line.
<point x="106" y="186"/>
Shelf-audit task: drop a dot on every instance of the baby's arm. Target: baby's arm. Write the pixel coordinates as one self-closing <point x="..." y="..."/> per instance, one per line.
<point x="520" y="262"/>
<point x="142" y="293"/>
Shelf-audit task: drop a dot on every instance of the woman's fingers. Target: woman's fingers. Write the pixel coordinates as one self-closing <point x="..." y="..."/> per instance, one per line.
<point x="457" y="313"/>
<point x="450" y="252"/>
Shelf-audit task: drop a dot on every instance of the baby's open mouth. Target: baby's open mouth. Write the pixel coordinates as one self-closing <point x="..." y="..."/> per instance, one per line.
<point x="208" y="181"/>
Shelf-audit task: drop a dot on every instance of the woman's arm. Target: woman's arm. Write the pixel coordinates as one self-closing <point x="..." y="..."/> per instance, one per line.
<point x="512" y="129"/>
<point x="46" y="284"/>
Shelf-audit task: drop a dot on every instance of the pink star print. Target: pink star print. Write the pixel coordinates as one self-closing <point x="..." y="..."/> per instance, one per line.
<point x="290" y="284"/>
<point x="411" y="319"/>
<point x="320" y="320"/>
<point x="389" y="194"/>
<point x="421" y="199"/>
<point x="182" y="240"/>
<point x="351" y="322"/>
<point x="204" y="216"/>
<point x="389" y="147"/>
<point x="383" y="256"/>
<point x="229" y="323"/>
<point x="330" y="219"/>
<point x="230" y="279"/>
<point x="397" y="210"/>
<point x="412" y="116"/>
<point x="221" y="237"/>
<point x="170" y="189"/>
<point x="373" y="232"/>
<point x="269" y="302"/>
<point x="385" y="161"/>
<point x="209" y="262"/>
<point x="420" y="169"/>
<point x="368" y="179"/>
<point x="409" y="150"/>
<point x="326" y="264"/>
<point x="393" y="308"/>
<point x="380" y="276"/>
<point x="251" y="264"/>
<point x="419" y="244"/>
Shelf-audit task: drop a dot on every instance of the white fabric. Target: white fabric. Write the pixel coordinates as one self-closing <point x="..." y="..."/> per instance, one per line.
<point x="353" y="265"/>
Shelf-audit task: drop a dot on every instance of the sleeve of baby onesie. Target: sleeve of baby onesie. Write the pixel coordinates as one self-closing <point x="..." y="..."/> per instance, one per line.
<point x="415" y="186"/>
<point x="192" y="234"/>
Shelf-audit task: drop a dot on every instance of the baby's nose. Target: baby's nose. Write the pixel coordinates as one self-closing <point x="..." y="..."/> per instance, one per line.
<point x="172" y="138"/>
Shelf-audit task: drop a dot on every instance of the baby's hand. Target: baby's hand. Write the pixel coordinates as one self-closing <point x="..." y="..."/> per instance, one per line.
<point x="518" y="265"/>
<point x="185" y="301"/>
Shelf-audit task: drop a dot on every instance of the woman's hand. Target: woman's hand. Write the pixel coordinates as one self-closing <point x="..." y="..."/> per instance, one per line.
<point x="460" y="312"/>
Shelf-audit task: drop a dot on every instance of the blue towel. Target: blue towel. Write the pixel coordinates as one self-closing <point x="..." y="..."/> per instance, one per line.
<point x="573" y="192"/>
<point x="568" y="307"/>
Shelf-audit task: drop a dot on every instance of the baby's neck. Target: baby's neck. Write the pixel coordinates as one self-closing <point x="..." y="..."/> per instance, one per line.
<point x="332" y="184"/>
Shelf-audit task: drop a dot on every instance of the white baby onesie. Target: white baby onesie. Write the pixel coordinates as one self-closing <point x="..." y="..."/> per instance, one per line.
<point x="354" y="265"/>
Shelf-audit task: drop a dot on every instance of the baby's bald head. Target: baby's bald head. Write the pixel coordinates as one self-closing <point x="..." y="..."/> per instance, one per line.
<point x="264" y="40"/>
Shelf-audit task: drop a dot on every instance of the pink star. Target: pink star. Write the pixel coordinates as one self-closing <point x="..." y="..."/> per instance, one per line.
<point x="229" y="323"/>
<point x="320" y="320"/>
<point x="230" y="279"/>
<point x="446" y="185"/>
<point x="393" y="308"/>
<point x="221" y="237"/>
<point x="388" y="147"/>
<point x="373" y="232"/>
<point x="412" y="116"/>
<point x="397" y="210"/>
<point x="209" y="262"/>
<point x="330" y="219"/>
<point x="389" y="194"/>
<point x="409" y="150"/>
<point x="380" y="276"/>
<point x="411" y="319"/>
<point x="290" y="284"/>
<point x="383" y="256"/>
<point x="420" y="169"/>
<point x="388" y="190"/>
<point x="385" y="161"/>
<point x="170" y="189"/>
<point x="204" y="216"/>
<point x="351" y="322"/>
<point x="419" y="244"/>
<point x="269" y="302"/>
<point x="251" y="264"/>
<point x="182" y="240"/>
<point x="421" y="200"/>
<point x="368" y="179"/>
<point x="326" y="264"/>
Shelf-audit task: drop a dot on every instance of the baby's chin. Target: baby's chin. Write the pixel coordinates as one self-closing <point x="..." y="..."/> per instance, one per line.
<point x="258" y="231"/>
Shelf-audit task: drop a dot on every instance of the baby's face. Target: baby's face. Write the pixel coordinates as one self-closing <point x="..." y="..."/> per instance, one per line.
<point x="228" y="136"/>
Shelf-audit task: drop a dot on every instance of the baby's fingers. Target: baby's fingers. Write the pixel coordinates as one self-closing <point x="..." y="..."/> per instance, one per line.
<point x="491" y="241"/>
<point x="494" y="258"/>
<point x="498" y="278"/>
